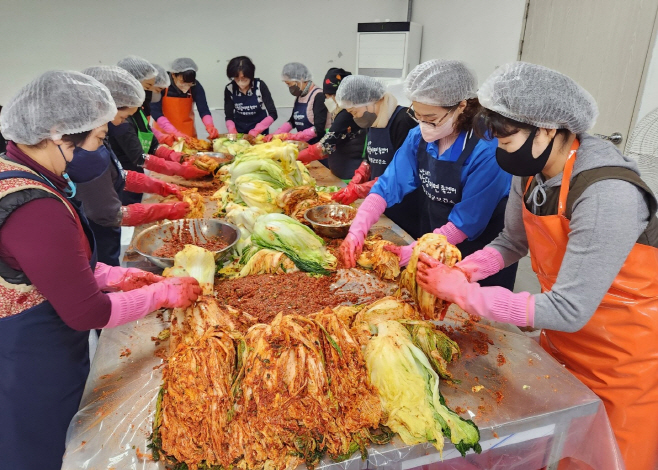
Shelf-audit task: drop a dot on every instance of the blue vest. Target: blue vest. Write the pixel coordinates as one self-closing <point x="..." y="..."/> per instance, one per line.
<point x="249" y="107"/>
<point x="43" y="368"/>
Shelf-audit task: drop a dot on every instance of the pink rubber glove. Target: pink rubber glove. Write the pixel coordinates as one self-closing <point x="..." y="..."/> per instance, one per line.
<point x="230" y="127"/>
<point x="213" y="133"/>
<point x="367" y="215"/>
<point x="481" y="264"/>
<point x="303" y="136"/>
<point x="162" y="166"/>
<point x="141" y="183"/>
<point x="403" y="252"/>
<point x="310" y="154"/>
<point x="169" y="128"/>
<point x="353" y="192"/>
<point x="261" y="126"/>
<point x="284" y="129"/>
<point x="139" y="214"/>
<point x="494" y="303"/>
<point x="168" y="154"/>
<point x="452" y="233"/>
<point x="163" y="137"/>
<point x="115" y="278"/>
<point x="175" y="292"/>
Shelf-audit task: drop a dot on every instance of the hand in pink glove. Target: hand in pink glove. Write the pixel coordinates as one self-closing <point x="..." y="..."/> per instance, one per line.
<point x="139" y="214"/>
<point x="353" y="192"/>
<point x="177" y="292"/>
<point x="369" y="212"/>
<point x="230" y="127"/>
<point x="261" y="126"/>
<point x="268" y="138"/>
<point x="303" y="136"/>
<point x="160" y="165"/>
<point x="141" y="183"/>
<point x="494" y="303"/>
<point x="403" y="252"/>
<point x="115" y="278"/>
<point x="284" y="129"/>
<point x="168" y="154"/>
<point x="481" y="264"/>
<point x="169" y="128"/>
<point x="310" y="154"/>
<point x="350" y="250"/>
<point x="213" y="133"/>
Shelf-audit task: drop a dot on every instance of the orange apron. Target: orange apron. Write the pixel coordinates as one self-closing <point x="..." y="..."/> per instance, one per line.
<point x="180" y="112"/>
<point x="616" y="353"/>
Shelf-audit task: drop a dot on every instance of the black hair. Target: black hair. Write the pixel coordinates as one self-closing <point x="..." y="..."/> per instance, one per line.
<point x="241" y="64"/>
<point x="76" y="139"/>
<point x="465" y="120"/>
<point x="189" y="76"/>
<point x="490" y="124"/>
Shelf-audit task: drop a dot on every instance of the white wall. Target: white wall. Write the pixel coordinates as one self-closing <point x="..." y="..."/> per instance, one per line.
<point x="482" y="33"/>
<point x="38" y="35"/>
<point x="649" y="96"/>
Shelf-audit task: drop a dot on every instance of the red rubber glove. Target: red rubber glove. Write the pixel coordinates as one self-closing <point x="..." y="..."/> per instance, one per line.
<point x="141" y="183"/>
<point x="310" y="154"/>
<point x="353" y="192"/>
<point x="160" y="165"/>
<point x="139" y="214"/>
<point x="362" y="174"/>
<point x="168" y="154"/>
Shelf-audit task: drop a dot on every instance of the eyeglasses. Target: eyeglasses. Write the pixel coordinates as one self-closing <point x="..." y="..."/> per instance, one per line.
<point x="412" y="114"/>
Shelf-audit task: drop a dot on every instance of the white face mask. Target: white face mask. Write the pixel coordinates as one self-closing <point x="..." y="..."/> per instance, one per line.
<point x="331" y="105"/>
<point x="432" y="134"/>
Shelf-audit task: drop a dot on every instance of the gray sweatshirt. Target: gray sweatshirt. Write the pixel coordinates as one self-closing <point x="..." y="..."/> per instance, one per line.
<point x="605" y="224"/>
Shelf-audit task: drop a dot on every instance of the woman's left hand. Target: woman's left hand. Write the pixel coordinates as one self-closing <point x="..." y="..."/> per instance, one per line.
<point x="440" y="280"/>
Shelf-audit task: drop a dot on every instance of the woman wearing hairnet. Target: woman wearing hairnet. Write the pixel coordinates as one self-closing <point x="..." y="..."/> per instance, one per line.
<point x="52" y="290"/>
<point x="463" y="190"/>
<point x="248" y="105"/>
<point x="101" y="187"/>
<point x="589" y="222"/>
<point x="344" y="143"/>
<point x="134" y="142"/>
<point x="174" y="113"/>
<point x="388" y="125"/>
<point x="309" y="113"/>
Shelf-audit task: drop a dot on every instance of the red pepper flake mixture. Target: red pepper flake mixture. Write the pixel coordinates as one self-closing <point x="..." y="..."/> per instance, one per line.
<point x="179" y="236"/>
<point x="264" y="296"/>
<point x="459" y="410"/>
<point x="499" y="397"/>
<point x="125" y="352"/>
<point x="500" y="359"/>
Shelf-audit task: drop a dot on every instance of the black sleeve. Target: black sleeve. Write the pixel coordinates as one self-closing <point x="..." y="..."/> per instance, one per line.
<point x="229" y="106"/>
<point x="101" y="201"/>
<point x="156" y="109"/>
<point x="319" y="114"/>
<point x="123" y="138"/>
<point x="400" y="127"/>
<point x="342" y="129"/>
<point x="268" y="101"/>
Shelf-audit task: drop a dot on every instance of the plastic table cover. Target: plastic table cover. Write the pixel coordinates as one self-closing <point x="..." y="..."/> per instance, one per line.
<point x="531" y="412"/>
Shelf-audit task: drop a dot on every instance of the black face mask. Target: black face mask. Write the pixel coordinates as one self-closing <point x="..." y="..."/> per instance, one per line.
<point x="521" y="162"/>
<point x="295" y="90"/>
<point x="366" y="121"/>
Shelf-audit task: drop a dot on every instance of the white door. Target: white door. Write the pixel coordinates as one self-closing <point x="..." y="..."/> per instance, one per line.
<point x="602" y="44"/>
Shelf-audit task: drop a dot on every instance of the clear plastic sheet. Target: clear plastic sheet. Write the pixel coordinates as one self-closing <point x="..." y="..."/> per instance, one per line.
<point x="531" y="412"/>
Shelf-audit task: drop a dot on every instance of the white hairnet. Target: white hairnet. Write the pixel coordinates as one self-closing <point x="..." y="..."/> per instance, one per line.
<point x="162" y="80"/>
<point x="54" y="104"/>
<point x="140" y="68"/>
<point x="183" y="64"/>
<point x="538" y="96"/>
<point x="359" y="90"/>
<point x="440" y="82"/>
<point x="295" y="71"/>
<point x="125" y="89"/>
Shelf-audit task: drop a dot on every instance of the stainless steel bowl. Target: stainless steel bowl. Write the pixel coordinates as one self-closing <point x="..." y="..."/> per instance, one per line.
<point x="153" y="238"/>
<point x="322" y="219"/>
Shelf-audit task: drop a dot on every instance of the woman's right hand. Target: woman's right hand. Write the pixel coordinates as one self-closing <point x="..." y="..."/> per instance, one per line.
<point x="350" y="250"/>
<point x="174" y="292"/>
